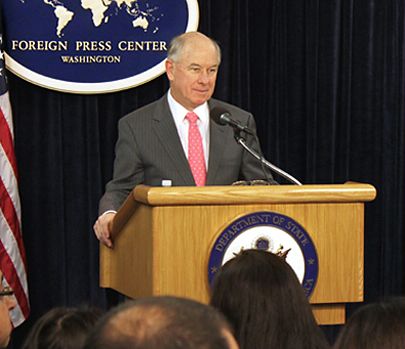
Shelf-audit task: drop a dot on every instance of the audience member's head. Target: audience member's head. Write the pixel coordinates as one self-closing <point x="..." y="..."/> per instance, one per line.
<point x="7" y="303"/>
<point x="62" y="328"/>
<point x="162" y="323"/>
<point x="263" y="299"/>
<point x="375" y="326"/>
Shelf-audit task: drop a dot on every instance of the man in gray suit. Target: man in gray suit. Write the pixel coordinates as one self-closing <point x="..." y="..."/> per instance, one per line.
<point x="153" y="144"/>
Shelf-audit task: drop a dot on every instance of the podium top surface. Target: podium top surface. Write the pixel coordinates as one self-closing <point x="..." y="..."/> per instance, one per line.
<point x="225" y="195"/>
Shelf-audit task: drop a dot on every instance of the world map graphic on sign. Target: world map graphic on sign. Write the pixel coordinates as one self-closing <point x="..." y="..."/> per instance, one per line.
<point x="102" y="10"/>
<point x="92" y="46"/>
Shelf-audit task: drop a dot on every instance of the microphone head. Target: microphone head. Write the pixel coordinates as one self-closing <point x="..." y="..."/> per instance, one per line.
<point x="220" y="115"/>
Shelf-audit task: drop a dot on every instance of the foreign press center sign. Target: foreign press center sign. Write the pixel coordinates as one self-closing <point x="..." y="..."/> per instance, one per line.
<point x="92" y="46"/>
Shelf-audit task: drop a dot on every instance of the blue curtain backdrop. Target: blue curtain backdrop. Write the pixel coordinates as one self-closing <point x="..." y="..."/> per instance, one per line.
<point x="325" y="80"/>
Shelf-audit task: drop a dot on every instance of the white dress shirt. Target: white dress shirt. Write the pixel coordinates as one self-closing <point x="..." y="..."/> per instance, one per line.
<point x="179" y="114"/>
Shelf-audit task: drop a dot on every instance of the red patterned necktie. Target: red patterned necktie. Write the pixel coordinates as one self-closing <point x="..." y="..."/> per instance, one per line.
<point x="195" y="150"/>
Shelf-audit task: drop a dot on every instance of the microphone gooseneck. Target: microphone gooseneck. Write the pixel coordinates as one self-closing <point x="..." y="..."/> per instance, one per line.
<point x="223" y="117"/>
<point x="272" y="167"/>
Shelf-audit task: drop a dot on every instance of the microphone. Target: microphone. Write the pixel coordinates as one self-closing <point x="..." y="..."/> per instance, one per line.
<point x="223" y="117"/>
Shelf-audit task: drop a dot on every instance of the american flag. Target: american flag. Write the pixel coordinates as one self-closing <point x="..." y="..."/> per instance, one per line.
<point x="12" y="253"/>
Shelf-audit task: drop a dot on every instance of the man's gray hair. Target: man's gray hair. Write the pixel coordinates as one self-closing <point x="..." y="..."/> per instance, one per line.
<point x="178" y="43"/>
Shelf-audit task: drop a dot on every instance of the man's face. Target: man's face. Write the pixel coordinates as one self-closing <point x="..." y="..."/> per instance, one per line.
<point x="7" y="303"/>
<point x="193" y="76"/>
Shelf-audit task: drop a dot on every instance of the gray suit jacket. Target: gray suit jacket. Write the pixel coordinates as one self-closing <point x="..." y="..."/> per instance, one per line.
<point x="149" y="150"/>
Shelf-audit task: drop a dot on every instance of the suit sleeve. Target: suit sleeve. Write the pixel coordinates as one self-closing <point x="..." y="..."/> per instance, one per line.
<point x="128" y="169"/>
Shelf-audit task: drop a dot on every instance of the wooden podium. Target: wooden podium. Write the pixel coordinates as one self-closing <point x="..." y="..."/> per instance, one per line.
<point x="163" y="237"/>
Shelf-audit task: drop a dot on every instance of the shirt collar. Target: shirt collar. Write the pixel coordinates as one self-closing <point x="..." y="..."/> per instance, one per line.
<point x="179" y="112"/>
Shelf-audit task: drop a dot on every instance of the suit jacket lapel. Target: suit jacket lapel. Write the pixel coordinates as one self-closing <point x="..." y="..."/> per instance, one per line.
<point x="216" y="152"/>
<point x="166" y="131"/>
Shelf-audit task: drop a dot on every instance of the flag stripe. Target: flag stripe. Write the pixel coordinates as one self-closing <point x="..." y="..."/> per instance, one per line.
<point x="11" y="219"/>
<point x="12" y="256"/>
<point x="9" y="180"/>
<point x="6" y="137"/>
<point x="12" y="252"/>
<point x="11" y="274"/>
<point x="22" y="309"/>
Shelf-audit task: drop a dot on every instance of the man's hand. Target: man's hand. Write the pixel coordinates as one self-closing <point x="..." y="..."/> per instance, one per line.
<point x="103" y="227"/>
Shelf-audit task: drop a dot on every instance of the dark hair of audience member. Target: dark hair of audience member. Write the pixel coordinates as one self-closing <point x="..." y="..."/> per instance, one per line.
<point x="264" y="301"/>
<point x="62" y="328"/>
<point x="375" y="326"/>
<point x="161" y="323"/>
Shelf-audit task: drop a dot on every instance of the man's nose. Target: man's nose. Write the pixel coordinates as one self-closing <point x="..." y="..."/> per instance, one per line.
<point x="10" y="302"/>
<point x="204" y="77"/>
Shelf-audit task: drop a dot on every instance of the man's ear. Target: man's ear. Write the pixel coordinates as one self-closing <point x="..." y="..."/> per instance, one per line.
<point x="169" y="64"/>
